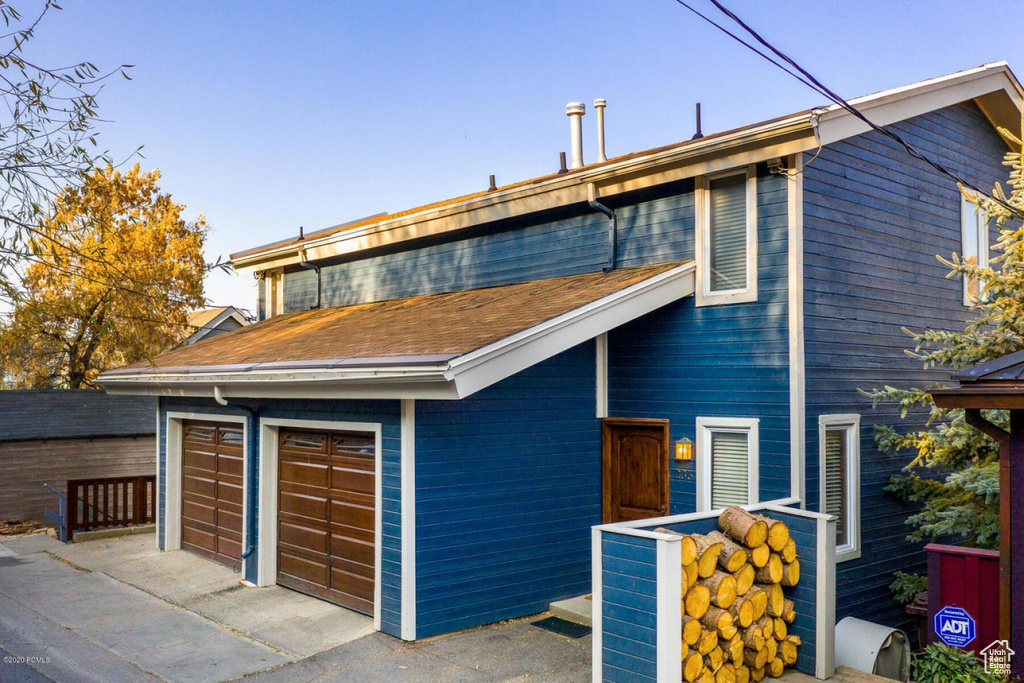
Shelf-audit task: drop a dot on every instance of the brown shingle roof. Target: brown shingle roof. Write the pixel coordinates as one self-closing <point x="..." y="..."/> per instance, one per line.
<point x="199" y="319"/>
<point x="436" y="325"/>
<point x="444" y="325"/>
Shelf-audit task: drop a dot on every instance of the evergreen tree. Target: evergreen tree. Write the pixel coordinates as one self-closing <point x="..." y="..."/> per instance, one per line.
<point x="955" y="470"/>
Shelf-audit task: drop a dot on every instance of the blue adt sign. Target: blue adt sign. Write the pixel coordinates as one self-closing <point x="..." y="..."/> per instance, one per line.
<point x="954" y="626"/>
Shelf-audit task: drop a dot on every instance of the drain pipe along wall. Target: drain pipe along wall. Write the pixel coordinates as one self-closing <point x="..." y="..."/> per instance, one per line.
<point x="251" y="449"/>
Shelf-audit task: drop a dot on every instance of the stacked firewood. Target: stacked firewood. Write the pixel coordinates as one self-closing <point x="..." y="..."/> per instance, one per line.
<point x="735" y="612"/>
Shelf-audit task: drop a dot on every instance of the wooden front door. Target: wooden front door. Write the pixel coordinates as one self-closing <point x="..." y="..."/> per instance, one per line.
<point x="635" y="475"/>
<point x="211" y="490"/>
<point x="326" y="515"/>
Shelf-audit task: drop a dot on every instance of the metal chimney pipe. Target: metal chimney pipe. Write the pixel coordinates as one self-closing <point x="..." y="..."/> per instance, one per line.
<point x="575" y="112"/>
<point x="599" y="105"/>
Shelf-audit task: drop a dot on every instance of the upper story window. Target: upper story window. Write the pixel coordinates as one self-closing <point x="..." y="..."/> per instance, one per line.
<point x="727" y="462"/>
<point x="839" y="463"/>
<point x="974" y="232"/>
<point x="727" y="237"/>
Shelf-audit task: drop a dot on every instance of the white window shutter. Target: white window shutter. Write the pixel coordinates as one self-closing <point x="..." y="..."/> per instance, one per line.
<point x="727" y="205"/>
<point x="835" y="480"/>
<point x="730" y="476"/>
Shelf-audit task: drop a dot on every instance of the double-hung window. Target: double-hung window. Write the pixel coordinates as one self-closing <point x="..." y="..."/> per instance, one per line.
<point x="727" y="462"/>
<point x="839" y="463"/>
<point x="974" y="231"/>
<point x="726" y="243"/>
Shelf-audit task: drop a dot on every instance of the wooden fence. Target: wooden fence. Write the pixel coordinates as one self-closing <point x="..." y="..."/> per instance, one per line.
<point x="110" y="502"/>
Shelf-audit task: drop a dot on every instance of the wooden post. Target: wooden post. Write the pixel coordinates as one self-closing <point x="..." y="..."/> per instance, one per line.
<point x="71" y="519"/>
<point x="1011" y="512"/>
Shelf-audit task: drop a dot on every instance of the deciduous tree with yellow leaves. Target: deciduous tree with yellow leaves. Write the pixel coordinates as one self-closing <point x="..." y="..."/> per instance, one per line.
<point x="110" y="280"/>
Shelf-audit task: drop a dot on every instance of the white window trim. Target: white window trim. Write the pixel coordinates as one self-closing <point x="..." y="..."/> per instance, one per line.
<point x="266" y="537"/>
<point x="851" y="422"/>
<point x="969" y="221"/>
<point x="702" y="247"/>
<point x="705" y="427"/>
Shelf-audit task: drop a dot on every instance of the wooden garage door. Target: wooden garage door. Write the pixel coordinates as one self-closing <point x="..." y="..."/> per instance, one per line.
<point x="325" y="531"/>
<point x="211" y="490"/>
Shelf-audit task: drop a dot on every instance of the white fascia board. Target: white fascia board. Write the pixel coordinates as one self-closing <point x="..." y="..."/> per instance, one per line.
<point x="483" y="367"/>
<point x="241" y="386"/>
<point x="903" y="103"/>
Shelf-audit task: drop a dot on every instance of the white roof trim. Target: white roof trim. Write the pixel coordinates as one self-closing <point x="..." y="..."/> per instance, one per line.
<point x="454" y="379"/>
<point x="752" y="144"/>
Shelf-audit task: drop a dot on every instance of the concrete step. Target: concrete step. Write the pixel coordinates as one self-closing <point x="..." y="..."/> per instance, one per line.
<point x="577" y="610"/>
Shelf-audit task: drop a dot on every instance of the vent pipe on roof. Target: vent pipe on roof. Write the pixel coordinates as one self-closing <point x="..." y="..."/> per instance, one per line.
<point x="575" y="112"/>
<point x="698" y="135"/>
<point x="599" y="105"/>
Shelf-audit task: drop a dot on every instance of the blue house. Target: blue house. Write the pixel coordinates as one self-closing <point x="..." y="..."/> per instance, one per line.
<point x="437" y="405"/>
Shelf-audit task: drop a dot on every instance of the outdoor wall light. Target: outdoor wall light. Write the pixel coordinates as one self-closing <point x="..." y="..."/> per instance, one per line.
<point x="684" y="449"/>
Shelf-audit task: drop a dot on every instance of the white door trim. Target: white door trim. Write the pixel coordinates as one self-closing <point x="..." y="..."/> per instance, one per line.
<point x="266" y="571"/>
<point x="408" y="469"/>
<point x="174" y="452"/>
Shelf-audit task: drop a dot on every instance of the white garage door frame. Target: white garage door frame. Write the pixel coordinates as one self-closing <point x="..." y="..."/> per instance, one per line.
<point x="172" y="512"/>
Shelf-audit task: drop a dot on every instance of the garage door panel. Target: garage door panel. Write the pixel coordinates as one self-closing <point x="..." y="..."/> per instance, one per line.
<point x="230" y="492"/>
<point x="198" y="537"/>
<point x="354" y="584"/>
<point x="205" y="461"/>
<point x="200" y="486"/>
<point x="302" y="505"/>
<point x="230" y="464"/>
<point x="326" y="515"/>
<point x="198" y="511"/>
<point x="303" y="568"/>
<point x="303" y="537"/>
<point x="350" y="551"/>
<point x="304" y="473"/>
<point x="356" y="481"/>
<point x="212" y="493"/>
<point x="358" y="514"/>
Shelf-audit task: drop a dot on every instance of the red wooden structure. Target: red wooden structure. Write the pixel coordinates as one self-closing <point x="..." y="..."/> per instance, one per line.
<point x="111" y="502"/>
<point x="967" y="578"/>
<point x="999" y="384"/>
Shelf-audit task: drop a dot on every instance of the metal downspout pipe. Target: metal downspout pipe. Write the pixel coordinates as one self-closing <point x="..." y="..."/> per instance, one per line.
<point x="251" y="444"/>
<point x="613" y="230"/>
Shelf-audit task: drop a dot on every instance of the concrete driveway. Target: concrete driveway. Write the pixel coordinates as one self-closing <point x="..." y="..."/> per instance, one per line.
<point x="119" y="610"/>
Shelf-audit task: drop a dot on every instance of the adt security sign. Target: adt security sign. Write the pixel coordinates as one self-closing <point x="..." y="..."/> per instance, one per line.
<point x="955" y="626"/>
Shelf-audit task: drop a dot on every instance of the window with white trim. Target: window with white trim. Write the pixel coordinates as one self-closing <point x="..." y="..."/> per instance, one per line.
<point x="727" y="237"/>
<point x="974" y="248"/>
<point x="727" y="462"/>
<point x="839" y="463"/>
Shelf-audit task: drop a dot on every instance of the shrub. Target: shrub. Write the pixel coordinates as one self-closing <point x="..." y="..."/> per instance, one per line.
<point x="944" y="664"/>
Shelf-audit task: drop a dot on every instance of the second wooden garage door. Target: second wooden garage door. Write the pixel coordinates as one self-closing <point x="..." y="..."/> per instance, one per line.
<point x="326" y="516"/>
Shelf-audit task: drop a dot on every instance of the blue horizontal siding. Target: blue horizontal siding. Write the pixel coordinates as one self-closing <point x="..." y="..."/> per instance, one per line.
<point x="682" y="362"/>
<point x="874" y="219"/>
<point x="508" y="484"/>
<point x="629" y="595"/>
<point x="387" y="413"/>
<point x="651" y="231"/>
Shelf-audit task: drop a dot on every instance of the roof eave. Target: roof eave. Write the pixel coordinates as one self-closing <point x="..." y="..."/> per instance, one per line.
<point x="455" y="377"/>
<point x="688" y="159"/>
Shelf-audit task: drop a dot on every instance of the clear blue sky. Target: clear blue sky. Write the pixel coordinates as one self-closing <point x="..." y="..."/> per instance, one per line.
<point x="267" y="116"/>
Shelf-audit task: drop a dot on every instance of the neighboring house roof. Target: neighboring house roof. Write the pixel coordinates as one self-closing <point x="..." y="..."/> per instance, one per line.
<point x="993" y="87"/>
<point x="438" y="346"/>
<point x="73" y="413"/>
<point x="208" y="320"/>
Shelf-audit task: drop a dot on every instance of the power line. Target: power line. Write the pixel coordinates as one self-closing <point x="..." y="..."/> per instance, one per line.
<point x="810" y="81"/>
